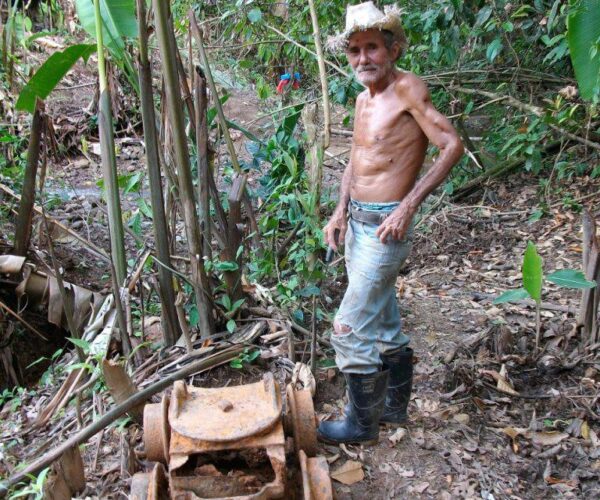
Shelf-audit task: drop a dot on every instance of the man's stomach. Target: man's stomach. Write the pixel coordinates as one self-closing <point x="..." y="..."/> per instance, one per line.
<point x="383" y="187"/>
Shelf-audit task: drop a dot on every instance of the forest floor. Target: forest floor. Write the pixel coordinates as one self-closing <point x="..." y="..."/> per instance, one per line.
<point x="467" y="436"/>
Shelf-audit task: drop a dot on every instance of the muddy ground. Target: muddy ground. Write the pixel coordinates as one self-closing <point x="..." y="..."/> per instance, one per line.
<point x="467" y="438"/>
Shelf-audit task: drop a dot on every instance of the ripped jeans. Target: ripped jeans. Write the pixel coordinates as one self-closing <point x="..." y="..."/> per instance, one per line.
<point x="368" y="320"/>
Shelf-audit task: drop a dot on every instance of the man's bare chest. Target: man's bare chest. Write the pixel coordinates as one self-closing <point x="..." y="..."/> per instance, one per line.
<point x="383" y="121"/>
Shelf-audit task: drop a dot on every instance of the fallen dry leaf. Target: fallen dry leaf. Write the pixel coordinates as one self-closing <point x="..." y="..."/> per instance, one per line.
<point x="349" y="473"/>
<point x="420" y="487"/>
<point x="539" y="438"/>
<point x="462" y="418"/>
<point x="585" y="431"/>
<point x="351" y="454"/>
<point x="397" y="436"/>
<point x="548" y="438"/>
<point x="501" y="382"/>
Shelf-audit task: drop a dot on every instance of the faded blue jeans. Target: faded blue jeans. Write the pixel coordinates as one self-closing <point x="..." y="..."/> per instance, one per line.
<point x="368" y="320"/>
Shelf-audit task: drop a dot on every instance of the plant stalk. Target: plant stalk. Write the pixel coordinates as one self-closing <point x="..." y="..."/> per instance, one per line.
<point x="23" y="229"/>
<point x="109" y="163"/>
<point x="322" y="74"/>
<point x="161" y="232"/>
<point x="182" y="158"/>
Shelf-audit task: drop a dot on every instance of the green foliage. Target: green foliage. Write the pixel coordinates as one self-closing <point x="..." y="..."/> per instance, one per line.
<point x="13" y="397"/>
<point x="50" y="73"/>
<point x="118" y="24"/>
<point x="512" y="296"/>
<point x="533" y="277"/>
<point x="532" y="272"/>
<point x="13" y="157"/>
<point x="288" y="206"/>
<point x="118" y="20"/>
<point x="247" y="357"/>
<point x="231" y="310"/>
<point x="569" y="278"/>
<point x="584" y="46"/>
<point x="33" y="490"/>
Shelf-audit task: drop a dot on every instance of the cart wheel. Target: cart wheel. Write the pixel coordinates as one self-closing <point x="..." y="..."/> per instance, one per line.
<point x="139" y="486"/>
<point x="150" y="485"/>
<point x="301" y="419"/>
<point x="156" y="431"/>
<point x="316" y="482"/>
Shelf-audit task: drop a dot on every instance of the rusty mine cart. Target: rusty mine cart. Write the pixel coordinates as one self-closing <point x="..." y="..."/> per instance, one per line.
<point x="230" y="443"/>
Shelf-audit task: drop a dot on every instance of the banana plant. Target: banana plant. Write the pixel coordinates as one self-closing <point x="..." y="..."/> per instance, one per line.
<point x="118" y="21"/>
<point x="583" y="35"/>
<point x="118" y="24"/>
<point x="533" y="278"/>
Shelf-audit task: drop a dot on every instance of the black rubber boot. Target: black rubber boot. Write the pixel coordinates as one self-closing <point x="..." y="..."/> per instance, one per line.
<point x="366" y="395"/>
<point x="400" y="366"/>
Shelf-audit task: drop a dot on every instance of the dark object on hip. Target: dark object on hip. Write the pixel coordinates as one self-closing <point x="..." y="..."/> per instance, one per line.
<point x="329" y="254"/>
<point x="366" y="216"/>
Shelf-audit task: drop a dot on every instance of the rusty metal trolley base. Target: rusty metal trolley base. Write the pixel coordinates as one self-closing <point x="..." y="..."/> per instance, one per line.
<point x="229" y="443"/>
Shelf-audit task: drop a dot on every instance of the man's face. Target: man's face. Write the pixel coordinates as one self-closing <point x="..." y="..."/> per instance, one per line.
<point x="369" y="57"/>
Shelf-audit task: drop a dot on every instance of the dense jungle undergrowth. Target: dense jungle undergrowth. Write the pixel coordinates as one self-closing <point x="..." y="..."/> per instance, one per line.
<point x="161" y="207"/>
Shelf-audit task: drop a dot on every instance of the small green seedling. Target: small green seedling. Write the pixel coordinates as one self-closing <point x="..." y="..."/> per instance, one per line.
<point x="533" y="277"/>
<point x="246" y="357"/>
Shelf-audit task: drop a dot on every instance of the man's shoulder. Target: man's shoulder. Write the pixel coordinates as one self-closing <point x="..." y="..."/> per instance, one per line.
<point x="409" y="82"/>
<point x="411" y="87"/>
<point x="362" y="96"/>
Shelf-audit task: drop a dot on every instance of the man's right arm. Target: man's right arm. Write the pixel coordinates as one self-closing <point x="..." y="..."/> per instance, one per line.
<point x="339" y="218"/>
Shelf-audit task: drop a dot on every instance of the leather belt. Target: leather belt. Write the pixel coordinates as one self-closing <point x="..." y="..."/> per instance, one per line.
<point x="366" y="216"/>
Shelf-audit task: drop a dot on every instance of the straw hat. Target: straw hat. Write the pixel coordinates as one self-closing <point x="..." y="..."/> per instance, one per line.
<point x="366" y="16"/>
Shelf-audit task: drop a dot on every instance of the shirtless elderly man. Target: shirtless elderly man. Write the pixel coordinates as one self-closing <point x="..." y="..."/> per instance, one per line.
<point x="379" y="195"/>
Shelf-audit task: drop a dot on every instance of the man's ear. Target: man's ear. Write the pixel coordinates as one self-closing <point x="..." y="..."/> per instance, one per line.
<point x="396" y="51"/>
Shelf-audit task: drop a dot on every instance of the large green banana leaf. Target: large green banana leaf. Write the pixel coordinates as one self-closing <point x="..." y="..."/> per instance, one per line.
<point x="118" y="19"/>
<point x="583" y="25"/>
<point x="50" y="73"/>
<point x="118" y="22"/>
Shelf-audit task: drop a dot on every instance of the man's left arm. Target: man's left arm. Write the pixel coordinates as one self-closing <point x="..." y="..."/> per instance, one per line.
<point x="441" y="134"/>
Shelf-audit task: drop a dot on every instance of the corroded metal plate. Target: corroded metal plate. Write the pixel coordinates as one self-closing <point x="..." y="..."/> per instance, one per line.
<point x="225" y="414"/>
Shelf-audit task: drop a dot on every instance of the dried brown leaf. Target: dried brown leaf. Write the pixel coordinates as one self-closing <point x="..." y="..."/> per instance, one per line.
<point x="349" y="473"/>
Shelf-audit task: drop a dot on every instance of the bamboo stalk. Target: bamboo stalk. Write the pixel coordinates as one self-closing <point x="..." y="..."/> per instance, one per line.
<point x="186" y="188"/>
<point x="23" y="229"/>
<point x="322" y="75"/>
<point x="224" y="126"/>
<point x="161" y="231"/>
<point x="213" y="89"/>
<point x="109" y="163"/>
<point x="204" y="170"/>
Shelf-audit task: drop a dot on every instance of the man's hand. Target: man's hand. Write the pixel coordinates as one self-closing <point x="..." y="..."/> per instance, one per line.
<point x="396" y="224"/>
<point x="338" y="222"/>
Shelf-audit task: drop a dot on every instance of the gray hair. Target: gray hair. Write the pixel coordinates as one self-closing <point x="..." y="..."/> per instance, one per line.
<point x="389" y="39"/>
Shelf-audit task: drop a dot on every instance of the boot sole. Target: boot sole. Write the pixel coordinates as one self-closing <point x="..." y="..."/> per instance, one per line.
<point x="367" y="442"/>
<point x="387" y="424"/>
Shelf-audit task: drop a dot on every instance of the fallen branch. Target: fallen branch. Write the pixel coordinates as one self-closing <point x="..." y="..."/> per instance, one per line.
<point x="299" y="45"/>
<point x="41" y="463"/>
<point x="527" y="108"/>
<point x="497" y="171"/>
<point x="530" y="303"/>
<point x="99" y="252"/>
<point x="22" y="320"/>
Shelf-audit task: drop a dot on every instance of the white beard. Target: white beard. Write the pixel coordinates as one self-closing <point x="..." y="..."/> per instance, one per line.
<point x="372" y="73"/>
